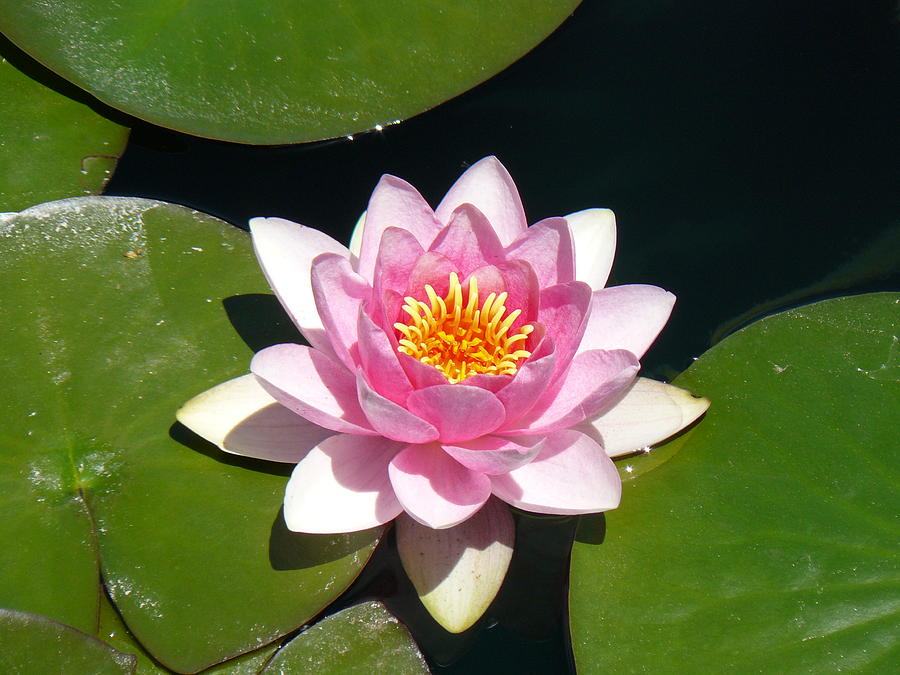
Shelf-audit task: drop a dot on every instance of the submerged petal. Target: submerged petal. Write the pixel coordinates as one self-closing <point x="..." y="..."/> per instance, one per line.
<point x="242" y="418"/>
<point x="649" y="413"/>
<point x="342" y="485"/>
<point x="457" y="572"/>
<point x="571" y="475"/>
<point x="488" y="186"/>
<point x="286" y="251"/>
<point x="434" y="488"/>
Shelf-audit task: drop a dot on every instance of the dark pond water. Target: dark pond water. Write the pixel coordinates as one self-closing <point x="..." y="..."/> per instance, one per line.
<point x="749" y="150"/>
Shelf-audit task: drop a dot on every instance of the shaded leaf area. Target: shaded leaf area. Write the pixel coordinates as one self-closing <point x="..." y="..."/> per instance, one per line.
<point x="359" y="640"/>
<point x="114" y="316"/>
<point x="30" y="643"/>
<point x="766" y="541"/>
<point x="298" y="71"/>
<point x="55" y="140"/>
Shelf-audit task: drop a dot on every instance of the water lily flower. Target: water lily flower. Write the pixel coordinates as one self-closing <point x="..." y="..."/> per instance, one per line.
<point x="454" y="354"/>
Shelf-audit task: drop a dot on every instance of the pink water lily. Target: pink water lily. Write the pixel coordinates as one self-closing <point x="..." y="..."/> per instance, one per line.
<point x="454" y="354"/>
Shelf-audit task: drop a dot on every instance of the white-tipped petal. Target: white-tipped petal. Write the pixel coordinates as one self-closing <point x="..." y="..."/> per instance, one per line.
<point x="242" y="418"/>
<point x="594" y="234"/>
<point x="356" y="239"/>
<point x="650" y="412"/>
<point x="457" y="572"/>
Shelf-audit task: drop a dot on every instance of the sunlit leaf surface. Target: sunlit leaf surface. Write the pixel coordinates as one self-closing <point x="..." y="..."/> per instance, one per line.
<point x="115" y="312"/>
<point x="289" y="72"/>
<point x="766" y="539"/>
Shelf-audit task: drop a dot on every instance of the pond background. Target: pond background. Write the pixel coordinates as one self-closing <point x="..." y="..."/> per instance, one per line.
<point x="749" y="150"/>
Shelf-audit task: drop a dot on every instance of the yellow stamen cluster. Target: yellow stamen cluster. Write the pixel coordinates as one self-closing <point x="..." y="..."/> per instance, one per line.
<point x="460" y="338"/>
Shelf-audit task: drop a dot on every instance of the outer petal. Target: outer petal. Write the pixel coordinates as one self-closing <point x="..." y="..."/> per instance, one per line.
<point x="459" y="412"/>
<point x="650" y="412"/>
<point x="390" y="419"/>
<point x="488" y="185"/>
<point x="356" y="239"/>
<point x="394" y="203"/>
<point x="494" y="455"/>
<point x="339" y="292"/>
<point x="285" y="251"/>
<point x="312" y="385"/>
<point x="571" y="475"/>
<point x="595" y="379"/>
<point x="469" y="241"/>
<point x="626" y="317"/>
<point x="242" y="418"/>
<point x="434" y="489"/>
<point x="342" y="485"/>
<point x="547" y="246"/>
<point x="594" y="232"/>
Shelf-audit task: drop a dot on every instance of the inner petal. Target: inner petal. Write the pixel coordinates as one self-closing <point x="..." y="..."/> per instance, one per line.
<point x="461" y="336"/>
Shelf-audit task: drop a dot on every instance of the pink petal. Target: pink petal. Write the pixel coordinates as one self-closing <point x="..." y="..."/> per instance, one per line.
<point x="547" y="246"/>
<point x="342" y="485"/>
<point x="339" y="292"/>
<point x="649" y="413"/>
<point x="494" y="455"/>
<point x="313" y="385"/>
<point x="242" y="418"/>
<point x="488" y="186"/>
<point x="397" y="257"/>
<point x="594" y="233"/>
<point x="563" y="313"/>
<point x="421" y="375"/>
<point x="571" y="475"/>
<point x="432" y="269"/>
<point x="626" y="317"/>
<point x="530" y="381"/>
<point x="379" y="361"/>
<point x="469" y="241"/>
<point x="390" y="419"/>
<point x="434" y="489"/>
<point x="460" y="413"/>
<point x="286" y="251"/>
<point x="394" y="203"/>
<point x="595" y="380"/>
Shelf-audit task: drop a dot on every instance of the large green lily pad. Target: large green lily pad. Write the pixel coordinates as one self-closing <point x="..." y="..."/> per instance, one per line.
<point x="767" y="541"/>
<point x="115" y="312"/>
<point x="30" y="643"/>
<point x="51" y="145"/>
<point x="359" y="640"/>
<point x="291" y="71"/>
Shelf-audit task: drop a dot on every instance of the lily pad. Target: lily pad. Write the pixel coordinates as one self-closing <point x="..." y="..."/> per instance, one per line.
<point x="30" y="643"/>
<point x="116" y="311"/>
<point x="53" y="143"/>
<point x="293" y="72"/>
<point x="767" y="541"/>
<point x="359" y="640"/>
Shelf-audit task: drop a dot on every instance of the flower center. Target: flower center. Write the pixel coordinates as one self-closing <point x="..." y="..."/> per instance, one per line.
<point x="458" y="337"/>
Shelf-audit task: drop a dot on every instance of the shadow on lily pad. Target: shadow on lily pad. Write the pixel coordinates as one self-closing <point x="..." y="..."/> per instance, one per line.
<point x="260" y="320"/>
<point x="188" y="438"/>
<point x="295" y="550"/>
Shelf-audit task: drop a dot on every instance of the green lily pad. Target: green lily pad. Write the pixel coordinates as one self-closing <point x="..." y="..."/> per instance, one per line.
<point x="115" y="312"/>
<point x="767" y="542"/>
<point x="53" y="144"/>
<point x="30" y="643"/>
<point x="359" y="640"/>
<point x="292" y="72"/>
